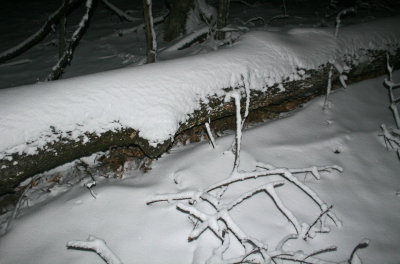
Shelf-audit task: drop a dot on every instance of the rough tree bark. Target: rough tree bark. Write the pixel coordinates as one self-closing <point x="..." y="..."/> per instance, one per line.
<point x="223" y="12"/>
<point x="262" y="104"/>
<point x="66" y="57"/>
<point x="151" y="41"/>
<point x="62" y="43"/>
<point x="175" y="23"/>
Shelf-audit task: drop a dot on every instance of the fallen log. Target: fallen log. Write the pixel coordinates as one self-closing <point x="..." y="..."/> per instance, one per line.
<point x="38" y="150"/>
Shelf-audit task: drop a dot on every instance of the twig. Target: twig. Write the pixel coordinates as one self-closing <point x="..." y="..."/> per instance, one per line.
<point x="363" y="244"/>
<point x="97" y="245"/>
<point x="307" y="234"/>
<point x="209" y="133"/>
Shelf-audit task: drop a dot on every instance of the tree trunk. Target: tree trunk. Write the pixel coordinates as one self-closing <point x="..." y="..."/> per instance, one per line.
<point x="263" y="105"/>
<point x="223" y="12"/>
<point x="62" y="43"/>
<point x="176" y="22"/>
<point x="66" y="57"/>
<point x="151" y="41"/>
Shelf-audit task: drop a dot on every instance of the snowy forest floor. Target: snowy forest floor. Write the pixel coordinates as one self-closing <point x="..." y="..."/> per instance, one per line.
<point x="59" y="207"/>
<point x="364" y="196"/>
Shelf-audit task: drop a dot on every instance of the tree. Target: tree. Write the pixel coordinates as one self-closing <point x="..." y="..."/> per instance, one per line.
<point x="151" y="41"/>
<point x="176" y="22"/>
<point x="223" y="12"/>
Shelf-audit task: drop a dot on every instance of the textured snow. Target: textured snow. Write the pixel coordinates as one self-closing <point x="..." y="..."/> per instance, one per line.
<point x="154" y="99"/>
<point x="363" y="195"/>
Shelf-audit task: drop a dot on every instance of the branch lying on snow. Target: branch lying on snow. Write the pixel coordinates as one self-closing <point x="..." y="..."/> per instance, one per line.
<point x="354" y="259"/>
<point x="122" y="15"/>
<point x="221" y="222"/>
<point x="142" y="26"/>
<point x="38" y="35"/>
<point x="188" y="39"/>
<point x="97" y="245"/>
<point x="392" y="136"/>
<point x="65" y="59"/>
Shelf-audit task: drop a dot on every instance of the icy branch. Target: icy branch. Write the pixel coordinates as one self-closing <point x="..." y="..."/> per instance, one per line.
<point x="97" y="245"/>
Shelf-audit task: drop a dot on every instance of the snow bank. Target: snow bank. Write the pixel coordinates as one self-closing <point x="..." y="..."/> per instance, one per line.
<point x="154" y="99"/>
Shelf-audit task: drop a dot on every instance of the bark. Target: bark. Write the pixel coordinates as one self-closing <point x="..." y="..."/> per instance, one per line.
<point x="175" y="24"/>
<point x="40" y="34"/>
<point x="62" y="43"/>
<point x="263" y="106"/>
<point x="151" y="42"/>
<point x="66" y="58"/>
<point x="223" y="12"/>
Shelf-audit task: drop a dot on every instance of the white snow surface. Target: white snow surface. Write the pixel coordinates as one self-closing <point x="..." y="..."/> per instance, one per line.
<point x="364" y="196"/>
<point x="154" y="99"/>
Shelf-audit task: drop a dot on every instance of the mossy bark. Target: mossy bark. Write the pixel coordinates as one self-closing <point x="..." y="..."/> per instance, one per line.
<point x="264" y="105"/>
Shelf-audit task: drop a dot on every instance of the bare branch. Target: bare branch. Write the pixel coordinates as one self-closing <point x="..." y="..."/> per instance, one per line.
<point x="97" y="245"/>
<point x="66" y="58"/>
<point x="38" y="35"/>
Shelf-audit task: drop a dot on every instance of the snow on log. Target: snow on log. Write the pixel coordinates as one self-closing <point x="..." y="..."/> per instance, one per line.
<point x="48" y="124"/>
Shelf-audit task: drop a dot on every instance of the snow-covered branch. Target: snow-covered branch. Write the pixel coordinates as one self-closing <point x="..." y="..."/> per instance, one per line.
<point x="187" y="40"/>
<point x="97" y="245"/>
<point x="220" y="220"/>
<point x="392" y="136"/>
<point x="38" y="35"/>
<point x="210" y="135"/>
<point x="339" y="16"/>
<point x="142" y="26"/>
<point x="66" y="58"/>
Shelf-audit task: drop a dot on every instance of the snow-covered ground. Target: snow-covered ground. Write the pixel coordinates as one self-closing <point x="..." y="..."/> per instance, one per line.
<point x="60" y="208"/>
<point x="347" y="134"/>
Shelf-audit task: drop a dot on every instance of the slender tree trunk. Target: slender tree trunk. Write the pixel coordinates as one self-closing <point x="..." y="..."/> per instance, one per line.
<point x="66" y="57"/>
<point x="62" y="43"/>
<point x="223" y="12"/>
<point x="151" y="41"/>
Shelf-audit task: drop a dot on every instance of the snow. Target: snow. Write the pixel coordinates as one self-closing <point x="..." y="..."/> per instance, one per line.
<point x="65" y="206"/>
<point x="363" y="195"/>
<point x="155" y="99"/>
